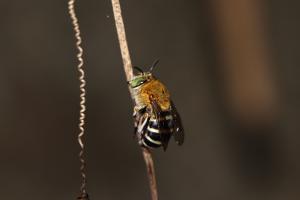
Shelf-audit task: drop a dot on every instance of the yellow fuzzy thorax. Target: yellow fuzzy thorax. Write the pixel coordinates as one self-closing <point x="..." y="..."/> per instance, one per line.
<point x="154" y="90"/>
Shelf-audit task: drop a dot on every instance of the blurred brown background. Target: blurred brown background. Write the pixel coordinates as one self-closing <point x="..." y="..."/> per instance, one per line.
<point x="233" y="71"/>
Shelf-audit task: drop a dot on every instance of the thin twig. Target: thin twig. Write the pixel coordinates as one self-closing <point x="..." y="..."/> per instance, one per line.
<point x="83" y="192"/>
<point x="151" y="173"/>
<point x="122" y="39"/>
<point x="129" y="74"/>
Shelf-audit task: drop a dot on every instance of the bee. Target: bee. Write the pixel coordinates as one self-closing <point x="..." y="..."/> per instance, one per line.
<point x="155" y="116"/>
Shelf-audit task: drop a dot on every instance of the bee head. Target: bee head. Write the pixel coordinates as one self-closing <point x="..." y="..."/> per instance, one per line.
<point x="142" y="77"/>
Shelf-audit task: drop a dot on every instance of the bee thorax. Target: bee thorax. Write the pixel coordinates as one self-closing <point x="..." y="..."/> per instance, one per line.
<point x="137" y="98"/>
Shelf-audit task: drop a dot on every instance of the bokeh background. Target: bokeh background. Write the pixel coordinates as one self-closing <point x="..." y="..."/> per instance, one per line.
<point x="232" y="68"/>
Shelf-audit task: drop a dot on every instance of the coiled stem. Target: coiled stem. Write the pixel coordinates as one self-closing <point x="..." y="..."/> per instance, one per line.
<point x="82" y="85"/>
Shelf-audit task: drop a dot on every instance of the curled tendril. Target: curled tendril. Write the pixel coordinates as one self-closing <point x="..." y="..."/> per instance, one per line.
<point x="74" y="19"/>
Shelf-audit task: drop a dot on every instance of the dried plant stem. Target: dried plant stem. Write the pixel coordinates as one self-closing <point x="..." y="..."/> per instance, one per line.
<point x="83" y="193"/>
<point x="122" y="39"/>
<point x="151" y="173"/>
<point x="129" y="74"/>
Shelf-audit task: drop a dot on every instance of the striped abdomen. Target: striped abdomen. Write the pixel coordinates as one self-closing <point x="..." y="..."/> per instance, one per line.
<point x="158" y="131"/>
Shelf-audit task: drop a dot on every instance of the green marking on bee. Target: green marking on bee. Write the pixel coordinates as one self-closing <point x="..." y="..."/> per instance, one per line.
<point x="137" y="81"/>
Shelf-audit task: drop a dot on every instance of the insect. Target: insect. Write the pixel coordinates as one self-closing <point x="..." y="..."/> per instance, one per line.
<point x="155" y="116"/>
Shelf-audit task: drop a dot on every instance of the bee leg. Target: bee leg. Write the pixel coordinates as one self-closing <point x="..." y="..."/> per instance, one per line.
<point x="142" y="126"/>
<point x="135" y="120"/>
<point x="137" y="113"/>
<point x="142" y="123"/>
<point x="141" y="119"/>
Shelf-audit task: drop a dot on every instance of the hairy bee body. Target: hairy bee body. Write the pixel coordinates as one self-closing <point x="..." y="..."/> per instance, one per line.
<point x="156" y="118"/>
<point x="151" y="91"/>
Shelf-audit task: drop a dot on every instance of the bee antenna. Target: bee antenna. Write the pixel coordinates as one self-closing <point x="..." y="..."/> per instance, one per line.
<point x="138" y="69"/>
<point x="154" y="65"/>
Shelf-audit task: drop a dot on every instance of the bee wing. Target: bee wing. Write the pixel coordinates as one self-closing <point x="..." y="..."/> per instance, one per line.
<point x="157" y="112"/>
<point x="178" y="128"/>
